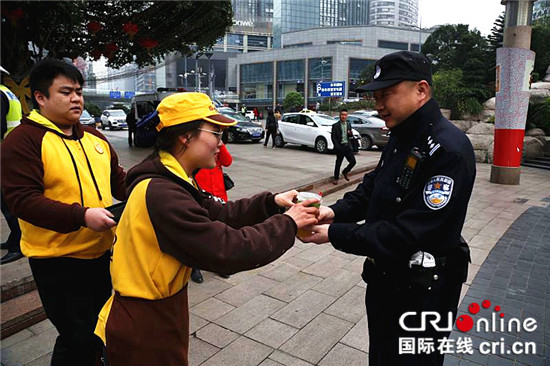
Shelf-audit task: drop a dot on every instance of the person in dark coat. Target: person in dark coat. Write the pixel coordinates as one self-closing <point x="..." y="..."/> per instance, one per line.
<point x="271" y="128"/>
<point x="342" y="146"/>
<point x="414" y="205"/>
<point x="131" y="123"/>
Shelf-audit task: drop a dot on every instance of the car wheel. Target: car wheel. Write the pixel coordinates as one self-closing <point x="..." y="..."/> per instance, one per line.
<point x="110" y="126"/>
<point x="366" y="142"/>
<point x="279" y="142"/>
<point x="321" y="145"/>
<point x="231" y="137"/>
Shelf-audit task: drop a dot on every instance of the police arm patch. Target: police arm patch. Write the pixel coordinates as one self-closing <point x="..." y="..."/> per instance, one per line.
<point x="437" y="191"/>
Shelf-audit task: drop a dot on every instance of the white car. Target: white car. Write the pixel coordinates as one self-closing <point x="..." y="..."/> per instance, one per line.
<point x="113" y="118"/>
<point x="308" y="129"/>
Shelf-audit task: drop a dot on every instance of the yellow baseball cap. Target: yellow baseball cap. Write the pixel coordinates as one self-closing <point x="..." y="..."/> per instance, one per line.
<point x="181" y="108"/>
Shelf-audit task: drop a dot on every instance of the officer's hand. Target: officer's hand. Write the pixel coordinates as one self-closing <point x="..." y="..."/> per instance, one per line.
<point x="98" y="219"/>
<point x="302" y="215"/>
<point x="286" y="199"/>
<point x="319" y="234"/>
<point x="326" y="215"/>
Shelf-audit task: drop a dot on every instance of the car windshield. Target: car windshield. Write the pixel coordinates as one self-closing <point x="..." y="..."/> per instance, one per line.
<point x="236" y="116"/>
<point x="117" y="113"/>
<point x="324" y="120"/>
<point x="247" y="124"/>
<point x="85" y="114"/>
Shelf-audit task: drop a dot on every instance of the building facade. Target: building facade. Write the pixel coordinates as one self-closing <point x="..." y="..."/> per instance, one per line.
<point x="314" y="55"/>
<point x="397" y="13"/>
<point x="293" y="15"/>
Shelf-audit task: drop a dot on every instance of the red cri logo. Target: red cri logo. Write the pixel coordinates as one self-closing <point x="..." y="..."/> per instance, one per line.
<point x="465" y="323"/>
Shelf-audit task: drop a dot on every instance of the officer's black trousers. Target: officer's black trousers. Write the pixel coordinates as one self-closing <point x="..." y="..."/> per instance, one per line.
<point x="73" y="291"/>
<point x="385" y="305"/>
<point x="344" y="152"/>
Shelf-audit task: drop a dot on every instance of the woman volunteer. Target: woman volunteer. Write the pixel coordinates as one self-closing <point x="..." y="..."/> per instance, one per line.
<point x="169" y="227"/>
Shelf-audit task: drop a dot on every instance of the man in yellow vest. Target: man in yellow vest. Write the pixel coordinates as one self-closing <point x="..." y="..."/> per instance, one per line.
<point x="11" y="117"/>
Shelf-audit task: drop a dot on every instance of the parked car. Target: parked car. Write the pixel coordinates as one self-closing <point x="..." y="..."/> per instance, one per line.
<point x="373" y="130"/>
<point x="308" y="129"/>
<point x="86" y="119"/>
<point x="367" y="113"/>
<point x="113" y="118"/>
<point x="244" y="130"/>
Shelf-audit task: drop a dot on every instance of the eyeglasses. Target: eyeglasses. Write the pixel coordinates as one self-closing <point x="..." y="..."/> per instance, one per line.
<point x="217" y="134"/>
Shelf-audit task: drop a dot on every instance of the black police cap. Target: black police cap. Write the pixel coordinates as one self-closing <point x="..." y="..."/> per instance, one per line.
<point x="397" y="67"/>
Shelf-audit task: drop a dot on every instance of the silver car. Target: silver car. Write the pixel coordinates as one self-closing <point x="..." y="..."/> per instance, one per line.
<point x="373" y="130"/>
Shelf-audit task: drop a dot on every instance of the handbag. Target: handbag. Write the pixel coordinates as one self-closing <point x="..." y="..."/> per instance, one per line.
<point x="228" y="182"/>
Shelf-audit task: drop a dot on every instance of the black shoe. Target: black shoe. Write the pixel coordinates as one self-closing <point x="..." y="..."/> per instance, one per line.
<point x="345" y="176"/>
<point x="4" y="246"/>
<point x="334" y="181"/>
<point x="223" y="275"/>
<point x="11" y="257"/>
<point x="196" y="275"/>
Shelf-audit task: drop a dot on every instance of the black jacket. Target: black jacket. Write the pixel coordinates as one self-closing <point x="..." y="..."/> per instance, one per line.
<point x="429" y="215"/>
<point x="271" y="123"/>
<point x="336" y="135"/>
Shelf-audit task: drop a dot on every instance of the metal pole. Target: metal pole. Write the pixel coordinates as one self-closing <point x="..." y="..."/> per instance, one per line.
<point x="185" y="72"/>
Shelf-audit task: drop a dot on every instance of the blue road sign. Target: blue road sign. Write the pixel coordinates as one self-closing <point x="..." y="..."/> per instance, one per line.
<point x="331" y="88"/>
<point x="114" y="95"/>
<point x="129" y="94"/>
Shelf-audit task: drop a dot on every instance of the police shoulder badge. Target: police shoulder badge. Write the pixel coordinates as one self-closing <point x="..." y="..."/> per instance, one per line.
<point x="437" y="192"/>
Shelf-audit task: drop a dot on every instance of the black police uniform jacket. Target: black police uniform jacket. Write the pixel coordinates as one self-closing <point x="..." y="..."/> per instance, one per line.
<point x="427" y="216"/>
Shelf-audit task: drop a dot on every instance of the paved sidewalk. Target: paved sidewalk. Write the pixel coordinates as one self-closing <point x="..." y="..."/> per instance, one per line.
<point x="307" y="308"/>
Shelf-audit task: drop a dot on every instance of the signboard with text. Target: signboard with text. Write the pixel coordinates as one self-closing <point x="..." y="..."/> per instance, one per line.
<point x="114" y="94"/>
<point x="331" y="88"/>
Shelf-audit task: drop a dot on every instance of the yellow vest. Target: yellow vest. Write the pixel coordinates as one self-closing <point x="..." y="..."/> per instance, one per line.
<point x="13" y="118"/>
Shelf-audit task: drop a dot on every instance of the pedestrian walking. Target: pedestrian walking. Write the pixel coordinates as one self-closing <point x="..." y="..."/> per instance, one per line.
<point x="58" y="176"/>
<point x="271" y="128"/>
<point x="342" y="139"/>
<point x="131" y="123"/>
<point x="414" y="205"/>
<point x="11" y="118"/>
<point x="256" y="114"/>
<point x="243" y="110"/>
<point x="169" y="227"/>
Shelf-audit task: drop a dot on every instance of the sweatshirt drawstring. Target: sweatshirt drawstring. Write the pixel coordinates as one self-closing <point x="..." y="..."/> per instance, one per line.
<point x="76" y="171"/>
<point x="91" y="172"/>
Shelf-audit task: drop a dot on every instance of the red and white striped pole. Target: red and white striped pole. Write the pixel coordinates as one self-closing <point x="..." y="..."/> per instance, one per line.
<point x="515" y="62"/>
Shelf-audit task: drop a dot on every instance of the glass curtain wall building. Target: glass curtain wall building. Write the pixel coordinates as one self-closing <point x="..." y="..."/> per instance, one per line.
<point x="397" y="13"/>
<point x="293" y="15"/>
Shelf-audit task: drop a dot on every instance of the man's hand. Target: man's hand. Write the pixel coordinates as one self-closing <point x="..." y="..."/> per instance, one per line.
<point x="303" y="215"/>
<point x="98" y="219"/>
<point x="319" y="234"/>
<point x="326" y="215"/>
<point x="286" y="199"/>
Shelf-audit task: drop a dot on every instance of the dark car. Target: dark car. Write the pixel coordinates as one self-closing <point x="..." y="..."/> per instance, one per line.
<point x="244" y="130"/>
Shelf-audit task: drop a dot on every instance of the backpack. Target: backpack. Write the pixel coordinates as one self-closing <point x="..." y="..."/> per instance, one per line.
<point x="146" y="132"/>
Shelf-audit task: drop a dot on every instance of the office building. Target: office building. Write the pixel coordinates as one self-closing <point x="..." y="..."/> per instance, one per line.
<point x="397" y="13"/>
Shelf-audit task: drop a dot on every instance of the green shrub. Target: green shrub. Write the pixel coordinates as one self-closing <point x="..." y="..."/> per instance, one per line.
<point x="535" y="77"/>
<point x="470" y="106"/>
<point x="293" y="100"/>
<point x="93" y="109"/>
<point x="538" y="116"/>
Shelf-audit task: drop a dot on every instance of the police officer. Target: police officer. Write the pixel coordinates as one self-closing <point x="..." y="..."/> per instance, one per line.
<point x="11" y="117"/>
<point x="414" y="205"/>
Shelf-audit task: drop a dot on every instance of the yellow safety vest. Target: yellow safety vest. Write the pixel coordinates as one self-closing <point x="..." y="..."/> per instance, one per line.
<point x="13" y="118"/>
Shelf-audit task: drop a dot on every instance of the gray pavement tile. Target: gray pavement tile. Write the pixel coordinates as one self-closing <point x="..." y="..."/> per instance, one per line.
<point x="317" y="338"/>
<point x="350" y="306"/>
<point x="211" y="309"/>
<point x="42" y="361"/>
<point x="43" y="326"/>
<point x="270" y="362"/>
<point x="293" y="287"/>
<point x="16" y="338"/>
<point x="287" y="360"/>
<point x="249" y="314"/>
<point x="196" y="323"/>
<point x="242" y="352"/>
<point x="216" y="335"/>
<point x="451" y="360"/>
<point x="200" y="351"/>
<point x="327" y="266"/>
<point x="338" y="284"/>
<point x="358" y="336"/>
<point x="280" y="272"/>
<point x="342" y="355"/>
<point x="247" y="290"/>
<point x="302" y="310"/>
<point x="499" y="361"/>
<point x="29" y="349"/>
<point x="197" y="293"/>
<point x="297" y="262"/>
<point x="316" y="252"/>
<point x="271" y="332"/>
